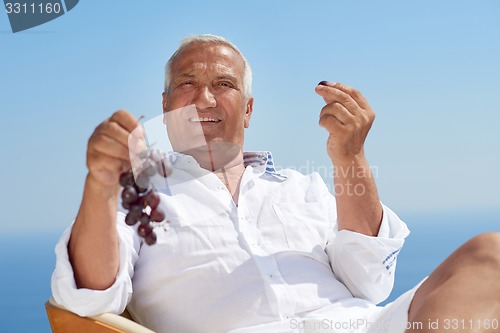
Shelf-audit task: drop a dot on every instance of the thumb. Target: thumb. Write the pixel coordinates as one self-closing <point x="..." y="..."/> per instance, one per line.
<point x="324" y="89"/>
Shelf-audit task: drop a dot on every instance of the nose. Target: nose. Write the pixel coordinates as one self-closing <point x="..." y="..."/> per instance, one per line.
<point x="204" y="98"/>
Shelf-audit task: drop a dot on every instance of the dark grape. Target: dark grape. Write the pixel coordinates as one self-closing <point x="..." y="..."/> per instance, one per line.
<point x="129" y="194"/>
<point x="127" y="179"/>
<point x="138" y="193"/>
<point x="144" y="219"/>
<point x="142" y="182"/>
<point x="149" y="169"/>
<point x="144" y="229"/>
<point x="125" y="205"/>
<point x="136" y="210"/>
<point x="157" y="215"/>
<point x="150" y="238"/>
<point x="131" y="219"/>
<point x="152" y="199"/>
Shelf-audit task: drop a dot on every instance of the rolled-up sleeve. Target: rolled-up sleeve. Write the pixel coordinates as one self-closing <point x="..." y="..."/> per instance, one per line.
<point x="88" y="302"/>
<point x="366" y="264"/>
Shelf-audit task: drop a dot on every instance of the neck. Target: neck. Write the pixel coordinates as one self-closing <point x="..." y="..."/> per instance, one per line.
<point x="231" y="175"/>
<point x="225" y="161"/>
<point x="231" y="178"/>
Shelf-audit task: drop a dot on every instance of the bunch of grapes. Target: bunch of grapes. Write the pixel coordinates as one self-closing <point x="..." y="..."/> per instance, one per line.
<point x="138" y="194"/>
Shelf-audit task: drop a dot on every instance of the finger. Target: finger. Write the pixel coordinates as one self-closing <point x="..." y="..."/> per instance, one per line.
<point x="115" y="131"/>
<point x="132" y="135"/>
<point x="106" y="168"/>
<point x="103" y="144"/>
<point x="331" y="94"/>
<point x="330" y="123"/>
<point x="352" y="92"/>
<point x="338" y="111"/>
<point x="125" y="119"/>
<point x="97" y="161"/>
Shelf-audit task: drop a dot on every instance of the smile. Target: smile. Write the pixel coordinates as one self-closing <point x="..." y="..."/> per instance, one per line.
<point x="200" y="120"/>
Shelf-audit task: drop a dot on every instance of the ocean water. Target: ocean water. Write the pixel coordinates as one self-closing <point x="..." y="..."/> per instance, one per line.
<point x="27" y="261"/>
<point x="26" y="264"/>
<point x="433" y="238"/>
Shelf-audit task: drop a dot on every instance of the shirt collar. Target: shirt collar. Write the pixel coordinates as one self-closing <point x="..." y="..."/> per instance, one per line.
<point x="260" y="160"/>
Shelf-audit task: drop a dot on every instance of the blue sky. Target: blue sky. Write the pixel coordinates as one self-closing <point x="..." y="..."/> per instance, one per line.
<point x="429" y="69"/>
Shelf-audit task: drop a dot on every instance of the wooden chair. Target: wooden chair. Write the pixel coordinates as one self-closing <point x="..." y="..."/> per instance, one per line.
<point x="64" y="321"/>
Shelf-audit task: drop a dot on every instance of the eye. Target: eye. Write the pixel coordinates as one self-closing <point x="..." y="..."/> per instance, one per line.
<point x="224" y="84"/>
<point x="186" y="84"/>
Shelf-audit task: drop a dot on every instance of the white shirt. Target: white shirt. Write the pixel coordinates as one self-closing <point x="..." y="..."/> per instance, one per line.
<point x="277" y="257"/>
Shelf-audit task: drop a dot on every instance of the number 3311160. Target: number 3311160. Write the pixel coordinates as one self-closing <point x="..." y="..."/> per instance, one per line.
<point x="24" y="8"/>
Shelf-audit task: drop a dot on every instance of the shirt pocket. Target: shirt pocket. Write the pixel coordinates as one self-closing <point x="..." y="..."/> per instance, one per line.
<point x="305" y="224"/>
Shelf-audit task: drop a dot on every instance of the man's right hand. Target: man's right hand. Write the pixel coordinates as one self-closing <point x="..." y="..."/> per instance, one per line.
<point x="93" y="246"/>
<point x="108" y="149"/>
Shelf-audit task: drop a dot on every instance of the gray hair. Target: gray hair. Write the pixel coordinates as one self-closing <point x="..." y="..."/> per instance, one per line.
<point x="210" y="39"/>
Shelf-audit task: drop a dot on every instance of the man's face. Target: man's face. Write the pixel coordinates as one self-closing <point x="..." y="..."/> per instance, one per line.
<point x="210" y="76"/>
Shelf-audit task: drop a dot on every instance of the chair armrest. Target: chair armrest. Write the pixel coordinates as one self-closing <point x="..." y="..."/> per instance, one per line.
<point x="62" y="321"/>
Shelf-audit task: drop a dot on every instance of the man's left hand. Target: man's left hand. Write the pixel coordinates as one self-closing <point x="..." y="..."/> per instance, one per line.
<point x="348" y="118"/>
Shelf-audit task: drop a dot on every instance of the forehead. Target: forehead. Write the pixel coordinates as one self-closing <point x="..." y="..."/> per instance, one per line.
<point x="205" y="57"/>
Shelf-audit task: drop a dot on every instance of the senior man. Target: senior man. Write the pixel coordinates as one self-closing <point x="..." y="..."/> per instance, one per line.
<point x="249" y="248"/>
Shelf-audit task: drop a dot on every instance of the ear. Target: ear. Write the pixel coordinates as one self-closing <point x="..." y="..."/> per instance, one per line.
<point x="164" y="106"/>
<point x="248" y="112"/>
